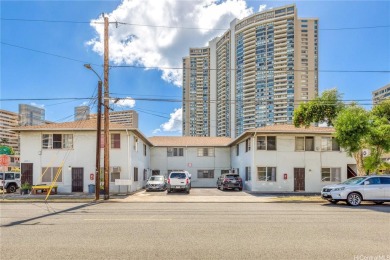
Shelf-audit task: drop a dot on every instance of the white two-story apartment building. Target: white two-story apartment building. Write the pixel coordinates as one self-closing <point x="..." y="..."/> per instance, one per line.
<point x="285" y="158"/>
<point x="66" y="152"/>
<point x="205" y="158"/>
<point x="278" y="158"/>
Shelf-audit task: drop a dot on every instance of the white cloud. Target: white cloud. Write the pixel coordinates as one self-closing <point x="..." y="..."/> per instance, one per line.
<point x="175" y="122"/>
<point x="37" y="105"/>
<point x="123" y="102"/>
<point x="262" y="8"/>
<point x="85" y="103"/>
<point x="161" y="46"/>
<point x="156" y="131"/>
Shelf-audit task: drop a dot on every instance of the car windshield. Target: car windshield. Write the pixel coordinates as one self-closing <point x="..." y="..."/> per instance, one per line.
<point x="1" y="175"/>
<point x="156" y="178"/>
<point x="231" y="176"/>
<point x="354" y="180"/>
<point x="178" y="175"/>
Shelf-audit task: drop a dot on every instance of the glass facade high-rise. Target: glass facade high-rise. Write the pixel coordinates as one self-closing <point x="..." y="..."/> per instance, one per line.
<point x="196" y="93"/>
<point x="31" y="115"/>
<point x="265" y="65"/>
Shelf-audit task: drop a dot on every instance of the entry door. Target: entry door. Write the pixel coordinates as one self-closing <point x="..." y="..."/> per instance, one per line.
<point x="299" y="179"/>
<point x="77" y="179"/>
<point x="27" y="173"/>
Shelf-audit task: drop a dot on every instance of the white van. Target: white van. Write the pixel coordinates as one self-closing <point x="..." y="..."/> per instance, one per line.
<point x="179" y="181"/>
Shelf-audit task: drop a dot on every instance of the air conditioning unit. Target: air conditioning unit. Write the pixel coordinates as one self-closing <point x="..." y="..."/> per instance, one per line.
<point x="116" y="169"/>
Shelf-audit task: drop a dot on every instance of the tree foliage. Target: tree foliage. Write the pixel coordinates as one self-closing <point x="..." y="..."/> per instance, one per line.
<point x="321" y="109"/>
<point x="356" y="128"/>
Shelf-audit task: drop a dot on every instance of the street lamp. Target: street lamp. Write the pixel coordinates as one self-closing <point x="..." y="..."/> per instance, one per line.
<point x="99" y="129"/>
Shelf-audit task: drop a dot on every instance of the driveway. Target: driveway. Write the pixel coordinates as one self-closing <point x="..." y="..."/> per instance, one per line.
<point x="196" y="195"/>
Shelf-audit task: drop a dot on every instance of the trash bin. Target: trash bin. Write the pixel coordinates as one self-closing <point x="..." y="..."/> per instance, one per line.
<point x="91" y="188"/>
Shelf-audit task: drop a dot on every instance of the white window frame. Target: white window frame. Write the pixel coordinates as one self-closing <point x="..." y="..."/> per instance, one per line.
<point x="51" y="172"/>
<point x="334" y="174"/>
<point x="270" y="173"/>
<point x="304" y="143"/>
<point x="205" y="152"/>
<point x="66" y="141"/>
<point x="327" y="143"/>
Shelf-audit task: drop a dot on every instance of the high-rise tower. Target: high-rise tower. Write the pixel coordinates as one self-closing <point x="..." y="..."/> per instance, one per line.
<point x="265" y="65"/>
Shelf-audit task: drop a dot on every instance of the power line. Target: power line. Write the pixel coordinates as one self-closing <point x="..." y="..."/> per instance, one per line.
<point x="208" y="69"/>
<point x="176" y="27"/>
<point x="47" y="53"/>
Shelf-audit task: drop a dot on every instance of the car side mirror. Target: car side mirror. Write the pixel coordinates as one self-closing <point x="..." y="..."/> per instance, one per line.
<point x="366" y="182"/>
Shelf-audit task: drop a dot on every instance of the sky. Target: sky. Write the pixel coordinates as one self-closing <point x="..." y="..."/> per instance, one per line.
<point x="44" y="45"/>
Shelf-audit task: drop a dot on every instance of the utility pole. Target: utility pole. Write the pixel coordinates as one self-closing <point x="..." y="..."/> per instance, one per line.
<point x="106" y="116"/>
<point x="98" y="141"/>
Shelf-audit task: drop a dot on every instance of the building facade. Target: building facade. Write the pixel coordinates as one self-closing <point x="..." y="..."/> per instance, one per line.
<point x="278" y="158"/>
<point x="196" y="93"/>
<point x="128" y="118"/>
<point x="81" y="113"/>
<point x="381" y="94"/>
<point x="31" y="115"/>
<point x="66" y="153"/>
<point x="8" y="136"/>
<point x="283" y="158"/>
<point x="205" y="158"/>
<point x="260" y="69"/>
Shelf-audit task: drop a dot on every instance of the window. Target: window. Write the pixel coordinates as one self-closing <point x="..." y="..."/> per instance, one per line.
<point x="248" y="173"/>
<point x="206" y="152"/>
<point x="145" y="174"/>
<point x="49" y="174"/>
<point x="331" y="174"/>
<point x="237" y="149"/>
<point x="266" y="143"/>
<point x="144" y="149"/>
<point x="115" y="175"/>
<point x="155" y="172"/>
<point x="57" y="141"/>
<point x="115" y="140"/>
<point x="304" y="143"/>
<point x="247" y="145"/>
<point x="135" y="174"/>
<point x="329" y="144"/>
<point x="174" y="152"/>
<point x="135" y="144"/>
<point x="266" y="173"/>
<point x="205" y="174"/>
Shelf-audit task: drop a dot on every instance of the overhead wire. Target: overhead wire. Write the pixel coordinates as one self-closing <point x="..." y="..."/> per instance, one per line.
<point x="174" y="27"/>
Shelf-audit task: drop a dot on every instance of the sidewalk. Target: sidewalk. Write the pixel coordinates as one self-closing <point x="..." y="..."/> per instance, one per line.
<point x="196" y="196"/>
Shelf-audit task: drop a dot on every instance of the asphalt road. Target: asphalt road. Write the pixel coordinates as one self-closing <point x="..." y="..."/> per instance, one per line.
<point x="194" y="231"/>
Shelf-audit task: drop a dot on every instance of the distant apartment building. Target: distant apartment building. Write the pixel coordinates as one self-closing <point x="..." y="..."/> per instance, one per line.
<point x="81" y="113"/>
<point x="251" y="76"/>
<point x="31" y="115"/>
<point x="127" y="118"/>
<point x="196" y="93"/>
<point x="381" y="94"/>
<point x="8" y="122"/>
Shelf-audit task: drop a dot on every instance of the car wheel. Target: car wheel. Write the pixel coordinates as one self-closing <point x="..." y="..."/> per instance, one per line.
<point x="379" y="202"/>
<point x="240" y="189"/>
<point x="354" y="199"/>
<point x="11" y="188"/>
<point x="334" y="201"/>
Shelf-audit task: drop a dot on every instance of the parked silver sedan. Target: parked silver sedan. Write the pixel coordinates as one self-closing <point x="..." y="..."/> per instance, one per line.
<point x="374" y="188"/>
<point x="157" y="182"/>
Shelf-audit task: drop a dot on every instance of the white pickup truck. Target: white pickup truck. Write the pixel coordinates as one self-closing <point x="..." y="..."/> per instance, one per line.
<point x="179" y="181"/>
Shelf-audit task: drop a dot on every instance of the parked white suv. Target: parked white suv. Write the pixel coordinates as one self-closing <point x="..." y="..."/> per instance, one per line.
<point x="374" y="188"/>
<point x="9" y="181"/>
<point x="179" y="180"/>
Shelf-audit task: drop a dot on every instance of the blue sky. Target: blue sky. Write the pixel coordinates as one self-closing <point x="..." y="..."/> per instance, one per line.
<point x="27" y="74"/>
